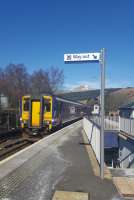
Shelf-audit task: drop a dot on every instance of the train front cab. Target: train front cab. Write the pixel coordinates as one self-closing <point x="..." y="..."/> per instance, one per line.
<point x="37" y="113"/>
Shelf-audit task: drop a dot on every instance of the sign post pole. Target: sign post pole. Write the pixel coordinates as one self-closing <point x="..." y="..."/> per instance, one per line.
<point x="102" y="64"/>
<point x="98" y="57"/>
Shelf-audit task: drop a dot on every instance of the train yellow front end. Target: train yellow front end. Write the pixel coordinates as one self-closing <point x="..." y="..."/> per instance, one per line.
<point x="36" y="112"/>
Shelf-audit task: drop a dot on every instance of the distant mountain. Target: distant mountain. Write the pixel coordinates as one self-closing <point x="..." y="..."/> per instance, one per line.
<point x="124" y="95"/>
<point x="114" y="97"/>
<point x="129" y="92"/>
<point x="86" y="95"/>
<point x="118" y="99"/>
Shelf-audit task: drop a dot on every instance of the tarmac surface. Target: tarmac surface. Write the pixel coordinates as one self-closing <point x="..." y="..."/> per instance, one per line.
<point x="64" y="165"/>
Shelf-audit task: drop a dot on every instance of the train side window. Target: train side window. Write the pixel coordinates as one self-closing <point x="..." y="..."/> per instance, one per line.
<point x="26" y="105"/>
<point x="59" y="107"/>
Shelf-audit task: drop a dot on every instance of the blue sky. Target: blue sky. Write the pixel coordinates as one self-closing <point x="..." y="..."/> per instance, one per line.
<point x="39" y="32"/>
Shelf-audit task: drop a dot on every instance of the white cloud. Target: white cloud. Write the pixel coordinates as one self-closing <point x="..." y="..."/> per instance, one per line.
<point x="85" y="84"/>
<point x="95" y="84"/>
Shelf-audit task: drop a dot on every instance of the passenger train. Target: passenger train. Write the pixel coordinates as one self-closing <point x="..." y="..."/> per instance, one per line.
<point x="47" y="111"/>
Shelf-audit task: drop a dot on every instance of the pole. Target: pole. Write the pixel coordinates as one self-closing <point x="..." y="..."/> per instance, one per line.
<point x="102" y="63"/>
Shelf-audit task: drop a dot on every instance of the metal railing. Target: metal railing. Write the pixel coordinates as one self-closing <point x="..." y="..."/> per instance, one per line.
<point x="110" y="122"/>
<point x="127" y="125"/>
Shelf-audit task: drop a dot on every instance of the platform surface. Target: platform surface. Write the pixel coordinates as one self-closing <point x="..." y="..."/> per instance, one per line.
<point x="125" y="185"/>
<point x="65" y="163"/>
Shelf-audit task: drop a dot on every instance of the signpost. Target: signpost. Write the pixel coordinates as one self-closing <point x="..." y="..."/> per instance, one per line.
<point x="102" y="64"/>
<point x="98" y="57"/>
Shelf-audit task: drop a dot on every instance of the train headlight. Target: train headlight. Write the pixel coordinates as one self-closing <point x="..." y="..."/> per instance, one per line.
<point x="47" y="122"/>
<point x="25" y="121"/>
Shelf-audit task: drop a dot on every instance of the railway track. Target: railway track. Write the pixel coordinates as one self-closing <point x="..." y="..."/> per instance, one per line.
<point x="10" y="144"/>
<point x="16" y="140"/>
<point x="12" y="148"/>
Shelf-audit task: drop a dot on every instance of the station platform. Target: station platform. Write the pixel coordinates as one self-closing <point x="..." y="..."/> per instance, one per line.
<point x="63" y="162"/>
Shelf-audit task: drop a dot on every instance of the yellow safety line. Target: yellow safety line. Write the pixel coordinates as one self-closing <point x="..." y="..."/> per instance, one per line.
<point x="68" y="195"/>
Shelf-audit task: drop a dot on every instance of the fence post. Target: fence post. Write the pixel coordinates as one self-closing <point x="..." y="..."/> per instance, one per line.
<point x="119" y="123"/>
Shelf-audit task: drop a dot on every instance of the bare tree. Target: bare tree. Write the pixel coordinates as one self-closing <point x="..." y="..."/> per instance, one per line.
<point x="56" y="78"/>
<point x="3" y="83"/>
<point x="48" y="81"/>
<point x="15" y="82"/>
<point x="40" y="82"/>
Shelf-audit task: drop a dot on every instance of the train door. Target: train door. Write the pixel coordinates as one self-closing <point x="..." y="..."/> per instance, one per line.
<point x="35" y="113"/>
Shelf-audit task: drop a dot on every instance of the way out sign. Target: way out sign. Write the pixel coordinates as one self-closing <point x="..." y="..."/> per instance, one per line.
<point x="82" y="57"/>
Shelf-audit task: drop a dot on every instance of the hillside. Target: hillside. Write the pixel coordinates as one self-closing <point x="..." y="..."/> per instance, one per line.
<point x="86" y="95"/>
<point x="119" y="98"/>
<point x="114" y="97"/>
<point x="126" y="93"/>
